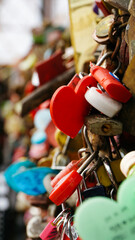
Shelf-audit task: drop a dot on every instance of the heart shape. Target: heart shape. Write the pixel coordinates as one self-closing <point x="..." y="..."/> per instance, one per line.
<point x="68" y="106"/>
<point x="103" y="218"/>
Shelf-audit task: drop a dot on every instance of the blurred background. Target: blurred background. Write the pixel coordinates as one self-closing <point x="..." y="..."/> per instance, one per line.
<point x="27" y="30"/>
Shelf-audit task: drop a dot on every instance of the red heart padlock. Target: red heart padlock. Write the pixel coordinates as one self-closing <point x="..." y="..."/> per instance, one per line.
<point x="68" y="106"/>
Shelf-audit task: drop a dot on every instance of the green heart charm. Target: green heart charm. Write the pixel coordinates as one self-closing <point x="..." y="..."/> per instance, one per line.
<point x="101" y="218"/>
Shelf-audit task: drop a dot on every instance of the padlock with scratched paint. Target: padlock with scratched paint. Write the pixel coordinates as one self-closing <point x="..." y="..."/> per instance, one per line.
<point x="68" y="184"/>
<point x="103" y="125"/>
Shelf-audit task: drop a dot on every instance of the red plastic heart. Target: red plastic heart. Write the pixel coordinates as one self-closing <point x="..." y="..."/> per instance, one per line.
<point x="68" y="106"/>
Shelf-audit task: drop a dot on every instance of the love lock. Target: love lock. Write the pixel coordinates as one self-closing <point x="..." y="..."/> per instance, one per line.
<point x="68" y="106"/>
<point x="68" y="184"/>
<point x="110" y="83"/>
<point x="35" y="226"/>
<point x="102" y="102"/>
<point x="102" y="125"/>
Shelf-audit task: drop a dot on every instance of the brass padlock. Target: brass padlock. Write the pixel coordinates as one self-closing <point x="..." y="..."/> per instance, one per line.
<point x="103" y="177"/>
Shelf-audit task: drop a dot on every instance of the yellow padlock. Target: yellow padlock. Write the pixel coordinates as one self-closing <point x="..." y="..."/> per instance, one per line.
<point x="103" y="177"/>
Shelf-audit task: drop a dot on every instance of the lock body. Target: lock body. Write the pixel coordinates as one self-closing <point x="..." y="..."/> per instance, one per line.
<point x="102" y="102"/>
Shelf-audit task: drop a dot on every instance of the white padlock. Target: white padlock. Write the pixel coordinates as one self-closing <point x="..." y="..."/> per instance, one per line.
<point x="127" y="162"/>
<point x="102" y="102"/>
<point x="47" y="182"/>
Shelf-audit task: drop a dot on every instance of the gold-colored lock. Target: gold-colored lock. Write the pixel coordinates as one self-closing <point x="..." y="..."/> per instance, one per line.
<point x="103" y="177"/>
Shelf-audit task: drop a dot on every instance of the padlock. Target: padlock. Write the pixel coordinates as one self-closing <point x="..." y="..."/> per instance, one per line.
<point x="73" y="165"/>
<point x="127" y="164"/>
<point x="15" y="168"/>
<point x="120" y="4"/>
<point x="101" y="5"/>
<point x="38" y="151"/>
<point x="98" y="190"/>
<point x="31" y="181"/>
<point x="41" y="201"/>
<point x="61" y="158"/>
<point x="129" y="76"/>
<point x="68" y="184"/>
<point x="35" y="226"/>
<point x="38" y="137"/>
<point x="102" y="28"/>
<point x="42" y="118"/>
<point x="102" y="125"/>
<point x="131" y="7"/>
<point x="110" y="83"/>
<point x="45" y="161"/>
<point x="70" y="231"/>
<point x="109" y="172"/>
<point x="69" y="105"/>
<point x="50" y="230"/>
<point x="47" y="182"/>
<point x="73" y="146"/>
<point x="102" y="102"/>
<point x="103" y="177"/>
<point x="44" y="68"/>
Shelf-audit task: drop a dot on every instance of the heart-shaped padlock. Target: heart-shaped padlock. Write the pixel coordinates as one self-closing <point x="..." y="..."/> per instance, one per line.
<point x="117" y="218"/>
<point x="68" y="106"/>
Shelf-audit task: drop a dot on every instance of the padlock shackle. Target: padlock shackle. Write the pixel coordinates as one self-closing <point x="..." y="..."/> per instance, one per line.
<point x="87" y="162"/>
<point x="109" y="172"/>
